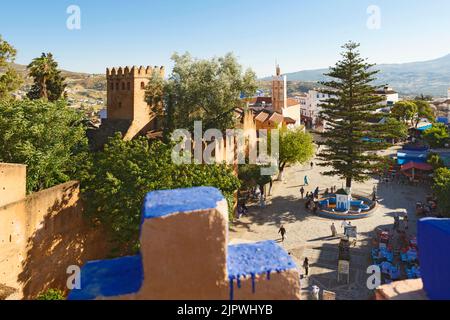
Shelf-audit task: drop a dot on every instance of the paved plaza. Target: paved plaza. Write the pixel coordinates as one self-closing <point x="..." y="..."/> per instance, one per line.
<point x="310" y="236"/>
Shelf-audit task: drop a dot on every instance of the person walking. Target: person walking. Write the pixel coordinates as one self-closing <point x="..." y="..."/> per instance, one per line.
<point x="282" y="231"/>
<point x="262" y="201"/>
<point x="302" y="191"/>
<point x="306" y="266"/>
<point x="306" y="181"/>
<point x="396" y="221"/>
<point x="405" y="220"/>
<point x="315" y="290"/>
<point x="312" y="165"/>
<point x="316" y="193"/>
<point x="333" y="230"/>
<point x="344" y="224"/>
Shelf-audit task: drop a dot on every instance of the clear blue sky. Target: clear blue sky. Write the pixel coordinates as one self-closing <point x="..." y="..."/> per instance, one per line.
<point x="299" y="34"/>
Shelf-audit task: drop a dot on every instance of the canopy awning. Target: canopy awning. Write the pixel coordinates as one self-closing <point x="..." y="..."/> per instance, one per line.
<point x="417" y="165"/>
<point x="425" y="127"/>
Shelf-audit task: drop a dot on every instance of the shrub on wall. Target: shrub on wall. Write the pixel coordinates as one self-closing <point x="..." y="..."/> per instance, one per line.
<point x="52" y="294"/>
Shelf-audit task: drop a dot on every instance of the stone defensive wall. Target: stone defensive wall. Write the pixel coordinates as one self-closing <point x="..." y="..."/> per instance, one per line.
<point x="42" y="234"/>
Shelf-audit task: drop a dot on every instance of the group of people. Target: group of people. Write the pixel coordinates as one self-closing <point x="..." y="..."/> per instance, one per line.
<point x="311" y="199"/>
<point x="309" y="195"/>
<point x="315" y="194"/>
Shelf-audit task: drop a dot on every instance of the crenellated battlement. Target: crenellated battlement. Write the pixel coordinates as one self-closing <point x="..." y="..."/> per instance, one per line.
<point x="130" y="72"/>
<point x="126" y="88"/>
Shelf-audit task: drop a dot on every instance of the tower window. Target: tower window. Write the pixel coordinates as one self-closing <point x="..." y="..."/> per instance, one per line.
<point x="128" y="86"/>
<point x="142" y="85"/>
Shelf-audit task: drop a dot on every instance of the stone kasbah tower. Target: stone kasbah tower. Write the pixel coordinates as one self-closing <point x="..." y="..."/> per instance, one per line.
<point x="127" y="110"/>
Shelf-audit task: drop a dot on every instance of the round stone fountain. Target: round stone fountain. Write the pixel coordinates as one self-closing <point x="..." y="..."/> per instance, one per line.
<point x="343" y="205"/>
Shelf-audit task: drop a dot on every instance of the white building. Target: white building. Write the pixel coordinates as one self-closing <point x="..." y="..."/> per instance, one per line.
<point x="310" y="107"/>
<point x="390" y="98"/>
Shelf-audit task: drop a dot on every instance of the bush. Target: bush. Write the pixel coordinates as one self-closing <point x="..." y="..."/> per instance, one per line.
<point x="52" y="294"/>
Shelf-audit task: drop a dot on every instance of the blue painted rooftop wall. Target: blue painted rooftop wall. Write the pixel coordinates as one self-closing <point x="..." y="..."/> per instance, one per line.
<point x="257" y="258"/>
<point x="109" y="278"/>
<point x="433" y="237"/>
<point x="251" y="259"/>
<point x="165" y="202"/>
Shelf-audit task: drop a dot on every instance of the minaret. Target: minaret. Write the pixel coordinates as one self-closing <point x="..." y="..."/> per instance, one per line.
<point x="278" y="91"/>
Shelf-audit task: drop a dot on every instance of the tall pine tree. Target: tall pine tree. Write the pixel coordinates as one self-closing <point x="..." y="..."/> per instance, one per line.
<point x="354" y="132"/>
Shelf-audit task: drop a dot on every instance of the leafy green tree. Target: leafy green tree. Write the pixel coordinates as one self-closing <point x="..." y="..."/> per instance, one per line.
<point x="52" y="294"/>
<point x="250" y="176"/>
<point x="437" y="136"/>
<point x="424" y="111"/>
<point x="48" y="81"/>
<point x="10" y="80"/>
<point x="435" y="160"/>
<point x="206" y="90"/>
<point x="441" y="188"/>
<point x="296" y="146"/>
<point x="424" y="97"/>
<point x="413" y="111"/>
<point x="48" y="137"/>
<point x="405" y="111"/>
<point x="349" y="115"/>
<point x="116" y="180"/>
<point x="393" y="129"/>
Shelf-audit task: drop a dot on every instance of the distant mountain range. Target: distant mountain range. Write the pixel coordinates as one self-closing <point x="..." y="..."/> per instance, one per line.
<point x="415" y="78"/>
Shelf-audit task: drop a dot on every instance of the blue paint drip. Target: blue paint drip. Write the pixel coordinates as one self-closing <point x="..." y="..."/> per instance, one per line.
<point x="268" y="274"/>
<point x="231" y="289"/>
<point x="238" y="281"/>
<point x="253" y="283"/>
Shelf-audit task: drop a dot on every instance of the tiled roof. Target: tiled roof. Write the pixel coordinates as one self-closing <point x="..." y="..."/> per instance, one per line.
<point x="276" y="117"/>
<point x="260" y="100"/>
<point x="289" y="120"/>
<point x="292" y="102"/>
<point x="262" y="116"/>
